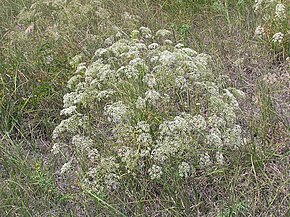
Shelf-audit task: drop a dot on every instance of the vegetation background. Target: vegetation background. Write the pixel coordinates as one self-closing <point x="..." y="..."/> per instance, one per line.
<point x="38" y="40"/>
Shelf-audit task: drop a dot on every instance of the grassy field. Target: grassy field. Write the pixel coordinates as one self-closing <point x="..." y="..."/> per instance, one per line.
<point x="39" y="67"/>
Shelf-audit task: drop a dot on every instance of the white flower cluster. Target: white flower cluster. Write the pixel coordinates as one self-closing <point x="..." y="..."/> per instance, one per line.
<point x="184" y="169"/>
<point x="280" y="12"/>
<point x="278" y="37"/>
<point x="117" y="112"/>
<point x="260" y="31"/>
<point x="144" y="106"/>
<point x="273" y="16"/>
<point x="155" y="172"/>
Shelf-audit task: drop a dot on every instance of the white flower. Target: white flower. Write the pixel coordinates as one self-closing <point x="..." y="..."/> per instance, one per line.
<point x="150" y="80"/>
<point x="145" y="139"/>
<point x="74" y="80"/>
<point x="69" y="111"/>
<point x="179" y="45"/>
<point x="167" y="58"/>
<point x="94" y="155"/>
<point x="153" y="97"/>
<point x="278" y="37"/>
<point x="168" y="42"/>
<point x="145" y="32"/>
<point x="143" y="126"/>
<point x="260" y="31"/>
<point x="140" y="103"/>
<point x="205" y="160"/>
<point x="68" y="125"/>
<point x="219" y="158"/>
<point x="55" y="148"/>
<point x="233" y="137"/>
<point x="65" y="167"/>
<point x="188" y="51"/>
<point x="69" y="99"/>
<point x="153" y="46"/>
<point x="155" y="172"/>
<point x="231" y="99"/>
<point x="105" y="94"/>
<point x="216" y="122"/>
<point x="184" y="169"/>
<point x="100" y="52"/>
<point x="280" y="13"/>
<point x="163" y="33"/>
<point x="214" y="139"/>
<point x="117" y="112"/>
<point x="82" y="142"/>
<point x="111" y="181"/>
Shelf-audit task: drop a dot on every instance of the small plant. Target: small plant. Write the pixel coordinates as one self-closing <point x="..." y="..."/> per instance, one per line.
<point x="145" y="110"/>
<point x="273" y="29"/>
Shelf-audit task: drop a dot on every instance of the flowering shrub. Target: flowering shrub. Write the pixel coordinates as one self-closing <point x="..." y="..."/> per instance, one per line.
<point x="274" y="27"/>
<point x="147" y="109"/>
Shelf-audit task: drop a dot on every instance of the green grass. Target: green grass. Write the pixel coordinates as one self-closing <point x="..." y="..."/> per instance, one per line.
<point x="31" y="90"/>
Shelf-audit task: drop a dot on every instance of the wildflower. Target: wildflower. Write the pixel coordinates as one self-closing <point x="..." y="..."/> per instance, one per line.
<point x="143" y="126"/>
<point x="105" y="94"/>
<point x="101" y="52"/>
<point x="231" y="98"/>
<point x="82" y="142"/>
<point x="140" y="103"/>
<point x="167" y="58"/>
<point x="278" y="37"/>
<point x="184" y="170"/>
<point x="55" y="148"/>
<point x="215" y="121"/>
<point x="232" y="137"/>
<point x="179" y="45"/>
<point x="69" y="111"/>
<point x="280" y="13"/>
<point x="205" y="160"/>
<point x="214" y="139"/>
<point x="68" y="125"/>
<point x="219" y="158"/>
<point x="155" y="172"/>
<point x="145" y="139"/>
<point x="66" y="167"/>
<point x="93" y="155"/>
<point x="168" y="42"/>
<point x="116" y="112"/>
<point x="163" y="33"/>
<point x="153" y="46"/>
<point x="188" y="51"/>
<point x="149" y="79"/>
<point x="198" y="122"/>
<point x="111" y="181"/>
<point x="145" y="32"/>
<point x="152" y="96"/>
<point x="259" y="32"/>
